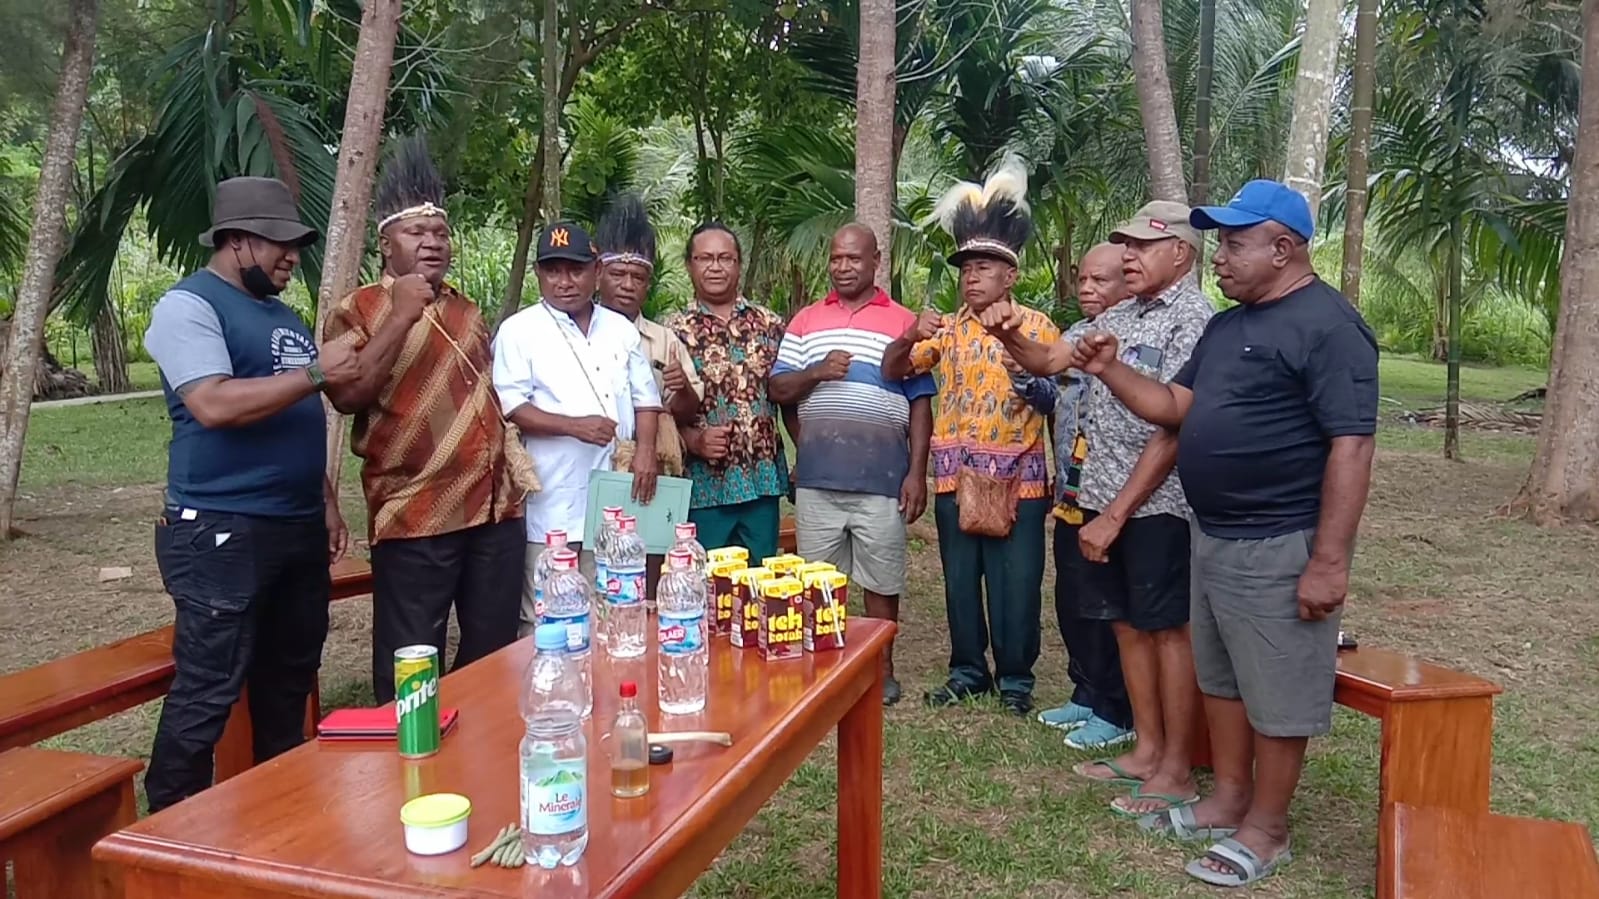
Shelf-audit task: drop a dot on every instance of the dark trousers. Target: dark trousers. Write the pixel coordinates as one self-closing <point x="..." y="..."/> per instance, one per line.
<point x="416" y="581"/>
<point x="1012" y="570"/>
<point x="1092" y="660"/>
<point x="251" y="599"/>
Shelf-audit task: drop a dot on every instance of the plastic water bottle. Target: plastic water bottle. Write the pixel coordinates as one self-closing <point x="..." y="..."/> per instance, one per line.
<point x="554" y="541"/>
<point x="624" y="591"/>
<point x="688" y="539"/>
<point x="602" y="546"/>
<point x="681" y="631"/>
<point x="554" y="788"/>
<point x="552" y="680"/>
<point x="567" y="602"/>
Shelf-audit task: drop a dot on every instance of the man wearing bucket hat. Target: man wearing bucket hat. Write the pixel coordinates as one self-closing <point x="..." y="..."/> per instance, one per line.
<point x="573" y="377"/>
<point x="249" y="522"/>
<point x="1277" y="410"/>
<point x="1130" y="566"/>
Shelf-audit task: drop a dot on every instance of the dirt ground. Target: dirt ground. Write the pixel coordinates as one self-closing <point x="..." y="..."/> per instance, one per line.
<point x="1439" y="574"/>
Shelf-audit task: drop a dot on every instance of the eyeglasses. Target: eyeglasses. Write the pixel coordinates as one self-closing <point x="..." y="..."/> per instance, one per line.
<point x="726" y="260"/>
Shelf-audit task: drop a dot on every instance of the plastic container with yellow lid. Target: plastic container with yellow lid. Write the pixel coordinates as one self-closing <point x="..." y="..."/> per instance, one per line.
<point x="436" y="823"/>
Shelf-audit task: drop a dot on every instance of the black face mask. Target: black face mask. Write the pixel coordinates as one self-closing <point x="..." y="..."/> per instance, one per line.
<point x="255" y="278"/>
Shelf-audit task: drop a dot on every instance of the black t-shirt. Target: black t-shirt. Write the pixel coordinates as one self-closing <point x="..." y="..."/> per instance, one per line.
<point x="1273" y="384"/>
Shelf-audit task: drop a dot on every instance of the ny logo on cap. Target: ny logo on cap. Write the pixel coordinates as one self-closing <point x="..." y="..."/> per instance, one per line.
<point x="1157" y="224"/>
<point x="560" y="237"/>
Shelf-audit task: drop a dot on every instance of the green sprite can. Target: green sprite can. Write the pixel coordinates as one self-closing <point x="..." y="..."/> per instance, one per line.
<point x="416" y="700"/>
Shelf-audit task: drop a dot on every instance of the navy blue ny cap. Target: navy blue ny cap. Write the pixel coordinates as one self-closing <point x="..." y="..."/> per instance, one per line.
<point x="566" y="240"/>
<point x="1256" y="202"/>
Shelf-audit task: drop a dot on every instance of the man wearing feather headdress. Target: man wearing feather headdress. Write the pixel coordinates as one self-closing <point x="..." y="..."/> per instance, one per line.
<point x="991" y="475"/>
<point x="626" y="241"/>
<point x="445" y="510"/>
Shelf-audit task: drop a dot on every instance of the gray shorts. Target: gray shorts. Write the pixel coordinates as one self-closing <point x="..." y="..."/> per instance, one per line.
<point x="1249" y="642"/>
<point x="862" y="534"/>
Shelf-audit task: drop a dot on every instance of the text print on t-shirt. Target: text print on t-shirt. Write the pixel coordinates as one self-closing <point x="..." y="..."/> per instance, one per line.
<point x="290" y="350"/>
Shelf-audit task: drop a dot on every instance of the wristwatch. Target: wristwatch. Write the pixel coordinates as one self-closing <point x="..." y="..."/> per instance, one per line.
<point x="318" y="380"/>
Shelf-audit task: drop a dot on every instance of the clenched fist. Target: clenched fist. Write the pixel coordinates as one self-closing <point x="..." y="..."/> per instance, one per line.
<point x="713" y="444"/>
<point x="409" y="295"/>
<point x="999" y="317"/>
<point x="928" y="324"/>
<point x="834" y="367"/>
<point x="1094" y="352"/>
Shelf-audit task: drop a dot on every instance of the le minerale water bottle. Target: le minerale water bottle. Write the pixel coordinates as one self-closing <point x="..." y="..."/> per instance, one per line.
<point x="554" y="788"/>
<point x="681" y="631"/>
<point x="624" y="591"/>
<point x="567" y="602"/>
<point x="551" y="679"/>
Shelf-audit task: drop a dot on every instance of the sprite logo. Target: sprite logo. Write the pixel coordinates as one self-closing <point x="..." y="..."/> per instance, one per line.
<point x="419" y="695"/>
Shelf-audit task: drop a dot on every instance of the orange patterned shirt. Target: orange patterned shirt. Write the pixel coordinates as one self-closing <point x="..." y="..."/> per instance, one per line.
<point x="981" y="422"/>
<point x="433" y="443"/>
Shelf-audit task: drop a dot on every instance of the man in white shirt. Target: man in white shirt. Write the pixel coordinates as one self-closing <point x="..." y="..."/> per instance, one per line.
<point x="574" y="378"/>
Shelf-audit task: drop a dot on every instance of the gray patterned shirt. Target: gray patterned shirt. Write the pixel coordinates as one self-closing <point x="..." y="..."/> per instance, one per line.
<point x="1156" y="337"/>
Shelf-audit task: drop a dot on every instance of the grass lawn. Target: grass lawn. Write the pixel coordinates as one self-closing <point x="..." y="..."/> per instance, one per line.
<point x="979" y="804"/>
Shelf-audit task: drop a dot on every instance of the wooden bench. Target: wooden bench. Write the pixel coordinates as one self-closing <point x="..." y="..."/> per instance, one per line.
<point x="787" y="542"/>
<point x="54" y="806"/>
<point x="56" y="697"/>
<point x="1437" y="728"/>
<point x="1444" y="853"/>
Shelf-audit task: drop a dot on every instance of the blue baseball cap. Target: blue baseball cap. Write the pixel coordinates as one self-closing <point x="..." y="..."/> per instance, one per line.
<point x="1256" y="202"/>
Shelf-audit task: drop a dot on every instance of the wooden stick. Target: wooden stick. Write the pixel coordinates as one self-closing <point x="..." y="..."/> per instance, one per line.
<point x="720" y="738"/>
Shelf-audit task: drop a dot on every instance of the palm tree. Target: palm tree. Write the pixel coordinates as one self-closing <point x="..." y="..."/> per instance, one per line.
<point x="1155" y="103"/>
<point x="1453" y="182"/>
<point x="21" y="355"/>
<point x="1564" y="480"/>
<point x="1363" y="84"/>
<point x="874" y="128"/>
<point x="1313" y="93"/>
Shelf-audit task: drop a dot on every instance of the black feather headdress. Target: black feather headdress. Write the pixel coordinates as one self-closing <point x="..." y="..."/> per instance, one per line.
<point x="410" y="185"/>
<point x="625" y="234"/>
<point x="991" y="219"/>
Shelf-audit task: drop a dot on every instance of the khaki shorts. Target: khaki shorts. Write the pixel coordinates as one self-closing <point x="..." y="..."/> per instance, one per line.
<point x="530" y="618"/>
<point x="1249" y="642"/>
<point x="862" y="534"/>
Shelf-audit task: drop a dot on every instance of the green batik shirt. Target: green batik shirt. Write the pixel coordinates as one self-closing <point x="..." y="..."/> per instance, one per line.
<point x="734" y="359"/>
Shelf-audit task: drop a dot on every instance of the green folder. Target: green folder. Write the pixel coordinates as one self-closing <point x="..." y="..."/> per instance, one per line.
<point x="656" y="521"/>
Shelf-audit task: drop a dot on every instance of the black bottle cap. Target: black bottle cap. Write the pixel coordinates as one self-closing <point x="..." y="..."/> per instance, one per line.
<point x="660" y="755"/>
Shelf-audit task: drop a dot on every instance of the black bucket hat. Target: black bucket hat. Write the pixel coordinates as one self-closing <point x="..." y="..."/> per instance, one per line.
<point x="260" y="206"/>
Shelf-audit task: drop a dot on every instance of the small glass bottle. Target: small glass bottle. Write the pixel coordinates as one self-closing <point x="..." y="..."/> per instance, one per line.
<point x="630" y="747"/>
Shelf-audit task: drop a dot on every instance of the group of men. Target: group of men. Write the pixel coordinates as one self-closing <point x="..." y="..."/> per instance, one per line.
<point x="477" y="447"/>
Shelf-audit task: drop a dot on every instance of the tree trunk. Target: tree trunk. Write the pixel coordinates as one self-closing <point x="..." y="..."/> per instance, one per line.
<point x="1313" y="91"/>
<point x="1065" y="275"/>
<point x="550" y="139"/>
<point x="352" y="191"/>
<point x="1456" y="311"/>
<point x="1155" y="104"/>
<point x="1205" y="76"/>
<point x="45" y="243"/>
<point x="532" y="200"/>
<point x="874" y="130"/>
<point x="110" y="355"/>
<point x="1356" y="191"/>
<point x="1564" y="481"/>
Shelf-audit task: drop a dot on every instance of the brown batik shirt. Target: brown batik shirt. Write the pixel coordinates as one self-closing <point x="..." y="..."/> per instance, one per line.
<point x="433" y="443"/>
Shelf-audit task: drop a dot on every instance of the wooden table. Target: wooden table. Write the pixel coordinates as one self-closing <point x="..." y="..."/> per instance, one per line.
<point x="323" y="820"/>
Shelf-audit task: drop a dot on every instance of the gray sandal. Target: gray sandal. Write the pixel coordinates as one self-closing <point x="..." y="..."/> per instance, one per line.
<point x="1247" y="867"/>
<point x="1181" y="824"/>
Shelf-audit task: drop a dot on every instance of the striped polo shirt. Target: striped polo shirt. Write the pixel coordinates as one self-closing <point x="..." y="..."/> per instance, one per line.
<point x="854" y="433"/>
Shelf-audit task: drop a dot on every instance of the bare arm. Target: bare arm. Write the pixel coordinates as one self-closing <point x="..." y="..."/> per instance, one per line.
<point x="793" y="386"/>
<point x="896" y="362"/>
<point x="535" y="422"/>
<point x="377" y="363"/>
<point x="1042" y="359"/>
<point x="1156" y="461"/>
<point x="1343" y="499"/>
<point x="684" y="406"/>
<point x="921" y="435"/>
<point x="1160" y="404"/>
<point x="221" y="402"/>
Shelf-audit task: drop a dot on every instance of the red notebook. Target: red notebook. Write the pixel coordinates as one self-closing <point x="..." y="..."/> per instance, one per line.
<point x="373" y="724"/>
